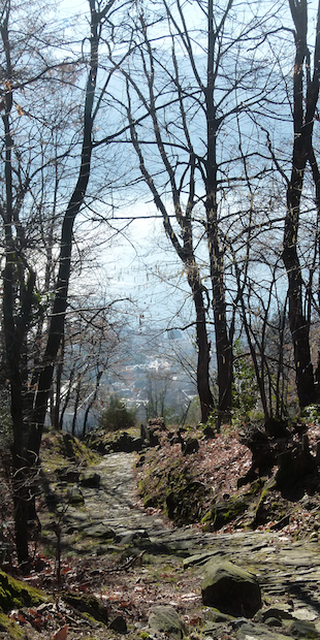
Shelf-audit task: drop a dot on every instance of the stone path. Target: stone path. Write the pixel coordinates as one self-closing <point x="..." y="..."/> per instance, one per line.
<point x="288" y="572"/>
<point x="112" y="505"/>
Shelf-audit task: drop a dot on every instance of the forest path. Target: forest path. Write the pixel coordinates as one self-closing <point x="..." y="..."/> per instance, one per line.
<point x="114" y="504"/>
<point x="112" y="521"/>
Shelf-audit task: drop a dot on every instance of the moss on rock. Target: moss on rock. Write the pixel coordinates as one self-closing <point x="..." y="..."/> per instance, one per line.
<point x="230" y="589"/>
<point x="88" y="605"/>
<point x="224" y="512"/>
<point x="15" y="593"/>
<point x="10" y="627"/>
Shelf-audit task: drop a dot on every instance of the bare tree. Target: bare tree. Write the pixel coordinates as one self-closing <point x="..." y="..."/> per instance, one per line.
<point x="23" y="172"/>
<point x="305" y="98"/>
<point x="187" y="90"/>
<point x="91" y="349"/>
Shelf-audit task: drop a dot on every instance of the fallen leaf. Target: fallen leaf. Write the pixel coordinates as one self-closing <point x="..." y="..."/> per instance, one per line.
<point x="61" y="634"/>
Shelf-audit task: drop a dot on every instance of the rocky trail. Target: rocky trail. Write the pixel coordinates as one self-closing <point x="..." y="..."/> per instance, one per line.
<point x="102" y="504"/>
<point x="138" y="566"/>
<point x="169" y="571"/>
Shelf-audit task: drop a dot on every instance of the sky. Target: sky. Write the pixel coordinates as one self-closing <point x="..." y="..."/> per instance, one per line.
<point x="135" y="263"/>
<point x="131" y="260"/>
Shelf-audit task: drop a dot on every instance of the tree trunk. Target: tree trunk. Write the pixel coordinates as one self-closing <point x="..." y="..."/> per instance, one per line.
<point x="76" y="405"/>
<point x="203" y="344"/>
<point x="223" y="344"/>
<point x="27" y="429"/>
<point x="185" y="251"/>
<point x="56" y="397"/>
<point x="20" y="482"/>
<point x="91" y="403"/>
<point x="303" y="120"/>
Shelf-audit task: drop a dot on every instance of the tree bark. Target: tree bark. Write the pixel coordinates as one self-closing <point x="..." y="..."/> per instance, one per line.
<point x="203" y="344"/>
<point x="303" y="120"/>
<point x="223" y="344"/>
<point x="19" y="284"/>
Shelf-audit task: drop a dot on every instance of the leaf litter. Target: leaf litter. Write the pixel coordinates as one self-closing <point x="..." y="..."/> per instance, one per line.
<point x="218" y="465"/>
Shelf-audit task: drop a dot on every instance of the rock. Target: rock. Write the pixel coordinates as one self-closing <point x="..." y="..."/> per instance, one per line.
<point x="74" y="495"/>
<point x="125" y="443"/>
<point x="183" y="506"/>
<point x="153" y="431"/>
<point x="277" y="428"/>
<point x="99" y="531"/>
<point x="95" y="441"/>
<point x="68" y="443"/>
<point x="250" y="631"/>
<point x="90" y="479"/>
<point x="119" y="625"/>
<point x="273" y="622"/>
<point x="281" y="612"/>
<point x="200" y="558"/>
<point x="225" y="511"/>
<point x="230" y="589"/>
<point x="153" y="439"/>
<point x="279" y="524"/>
<point x="164" y="618"/>
<point x="263" y="454"/>
<point x="141" y="461"/>
<point x="304" y="613"/>
<point x="14" y="593"/>
<point x="127" y="537"/>
<point x="191" y="445"/>
<point x="209" y="433"/>
<point x="76" y="521"/>
<point x="68" y="474"/>
<point x="177" y="437"/>
<point x="294" y="465"/>
<point x="52" y="500"/>
<point x="87" y="604"/>
<point x="304" y="629"/>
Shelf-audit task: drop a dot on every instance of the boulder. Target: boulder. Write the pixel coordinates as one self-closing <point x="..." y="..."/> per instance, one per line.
<point x="15" y="594"/>
<point x="304" y="629"/>
<point x="74" y="495"/>
<point x="126" y="443"/>
<point x="191" y="445"/>
<point x="164" y="618"/>
<point x="184" y="505"/>
<point x="230" y="589"/>
<point x="87" y="604"/>
<point x="99" y="530"/>
<point x="90" y="480"/>
<point x="119" y="625"/>
<point x="294" y="465"/>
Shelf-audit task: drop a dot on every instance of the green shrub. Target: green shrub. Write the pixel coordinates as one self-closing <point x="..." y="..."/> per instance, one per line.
<point x="117" y="415"/>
